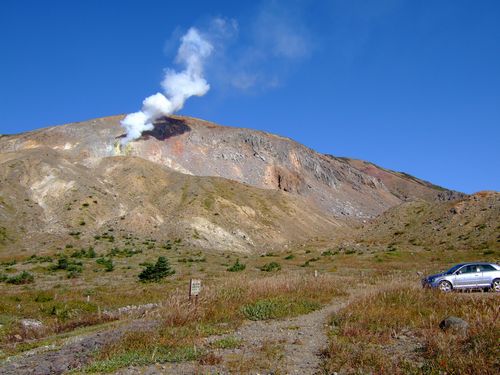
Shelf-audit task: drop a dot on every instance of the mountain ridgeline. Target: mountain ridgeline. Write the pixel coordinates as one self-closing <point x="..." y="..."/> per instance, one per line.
<point x="211" y="186"/>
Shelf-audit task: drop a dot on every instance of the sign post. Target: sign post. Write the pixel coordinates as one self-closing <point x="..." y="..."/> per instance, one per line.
<point x="194" y="289"/>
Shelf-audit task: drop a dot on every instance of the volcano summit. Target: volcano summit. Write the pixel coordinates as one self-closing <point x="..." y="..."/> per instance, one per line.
<point x="213" y="186"/>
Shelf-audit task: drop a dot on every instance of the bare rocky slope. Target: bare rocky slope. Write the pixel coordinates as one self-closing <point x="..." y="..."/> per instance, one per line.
<point x="470" y="223"/>
<point x="218" y="187"/>
<point x="404" y="186"/>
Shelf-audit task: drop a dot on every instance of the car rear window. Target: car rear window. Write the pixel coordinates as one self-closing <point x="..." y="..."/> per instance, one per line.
<point x="486" y="268"/>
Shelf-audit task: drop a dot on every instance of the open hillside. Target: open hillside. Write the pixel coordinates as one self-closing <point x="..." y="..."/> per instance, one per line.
<point x="213" y="186"/>
<point x="470" y="223"/>
<point x="48" y="202"/>
<point x="404" y="186"/>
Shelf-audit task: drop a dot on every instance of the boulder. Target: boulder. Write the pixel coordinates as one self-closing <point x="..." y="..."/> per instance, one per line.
<point x="454" y="325"/>
<point x="31" y="324"/>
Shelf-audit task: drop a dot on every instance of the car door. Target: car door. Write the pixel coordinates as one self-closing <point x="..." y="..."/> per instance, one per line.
<point x="487" y="274"/>
<point x="468" y="277"/>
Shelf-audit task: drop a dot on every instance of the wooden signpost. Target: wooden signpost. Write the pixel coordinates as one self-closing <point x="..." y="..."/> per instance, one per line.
<point x="194" y="289"/>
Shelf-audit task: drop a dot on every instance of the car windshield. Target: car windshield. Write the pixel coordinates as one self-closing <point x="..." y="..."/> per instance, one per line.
<point x="453" y="269"/>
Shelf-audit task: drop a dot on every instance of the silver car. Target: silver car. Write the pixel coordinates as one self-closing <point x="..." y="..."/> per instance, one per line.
<point x="466" y="276"/>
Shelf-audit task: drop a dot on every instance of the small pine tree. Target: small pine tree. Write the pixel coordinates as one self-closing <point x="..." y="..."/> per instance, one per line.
<point x="237" y="266"/>
<point x="156" y="272"/>
<point x="91" y="252"/>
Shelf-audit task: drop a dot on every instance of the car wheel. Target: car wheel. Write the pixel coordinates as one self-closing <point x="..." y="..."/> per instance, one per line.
<point x="495" y="285"/>
<point x="445" y="286"/>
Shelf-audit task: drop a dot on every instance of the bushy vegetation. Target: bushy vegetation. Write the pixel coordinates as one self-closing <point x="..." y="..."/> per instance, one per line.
<point x="82" y="253"/>
<point x="21" y="278"/>
<point x="192" y="260"/>
<point x="126" y="252"/>
<point x="39" y="259"/>
<point x="8" y="263"/>
<point x="278" y="307"/>
<point x="107" y="263"/>
<point x="156" y="272"/>
<point x="229" y="342"/>
<point x="269" y="267"/>
<point x="237" y="266"/>
<point x="73" y="267"/>
<point x="142" y="357"/>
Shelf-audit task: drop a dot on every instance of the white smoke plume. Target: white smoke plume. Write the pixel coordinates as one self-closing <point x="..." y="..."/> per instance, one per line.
<point x="177" y="86"/>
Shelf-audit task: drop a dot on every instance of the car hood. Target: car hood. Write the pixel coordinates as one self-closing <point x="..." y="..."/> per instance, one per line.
<point x="433" y="277"/>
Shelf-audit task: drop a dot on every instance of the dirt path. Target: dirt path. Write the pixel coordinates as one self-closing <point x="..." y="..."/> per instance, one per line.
<point x="75" y="352"/>
<point x="289" y="346"/>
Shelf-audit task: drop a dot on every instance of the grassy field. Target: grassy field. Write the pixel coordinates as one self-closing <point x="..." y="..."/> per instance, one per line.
<point x="397" y="331"/>
<point x="222" y="308"/>
<point x="85" y="294"/>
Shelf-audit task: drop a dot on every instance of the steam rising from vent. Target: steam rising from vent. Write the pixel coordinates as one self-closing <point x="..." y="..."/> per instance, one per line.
<point x="177" y="86"/>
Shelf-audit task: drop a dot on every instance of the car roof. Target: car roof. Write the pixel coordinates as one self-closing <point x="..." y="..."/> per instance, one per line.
<point x="480" y="263"/>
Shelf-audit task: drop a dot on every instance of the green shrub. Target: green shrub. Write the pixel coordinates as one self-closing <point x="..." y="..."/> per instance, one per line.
<point x="269" y="267"/>
<point x="38" y="259"/>
<point x="143" y="357"/>
<point x="107" y="263"/>
<point x="237" y="266"/>
<point x="290" y="257"/>
<point x="156" y="272"/>
<point x="278" y="307"/>
<point x="8" y="263"/>
<point x="43" y="297"/>
<point x="73" y="267"/>
<point x="73" y="274"/>
<point x="82" y="253"/>
<point x="62" y="264"/>
<point x="22" y="278"/>
<point x="126" y="253"/>
<point x="192" y="260"/>
<point x="229" y="342"/>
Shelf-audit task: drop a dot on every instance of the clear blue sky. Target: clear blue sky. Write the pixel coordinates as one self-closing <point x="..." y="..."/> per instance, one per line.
<point x="410" y="85"/>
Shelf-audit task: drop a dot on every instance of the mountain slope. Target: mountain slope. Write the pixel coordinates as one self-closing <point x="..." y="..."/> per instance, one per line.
<point x="200" y="148"/>
<point x="211" y="186"/>
<point x="469" y="223"/>
<point x="403" y="185"/>
<point x="48" y="201"/>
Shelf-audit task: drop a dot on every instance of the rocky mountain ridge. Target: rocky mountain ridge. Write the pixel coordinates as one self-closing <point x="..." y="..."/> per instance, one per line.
<point x="218" y="186"/>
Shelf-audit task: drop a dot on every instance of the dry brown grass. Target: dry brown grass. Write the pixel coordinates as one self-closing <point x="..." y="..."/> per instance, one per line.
<point x="18" y="332"/>
<point x="183" y="323"/>
<point x="397" y="331"/>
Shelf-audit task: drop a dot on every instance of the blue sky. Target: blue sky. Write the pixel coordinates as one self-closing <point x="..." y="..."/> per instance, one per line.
<point x="410" y="85"/>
